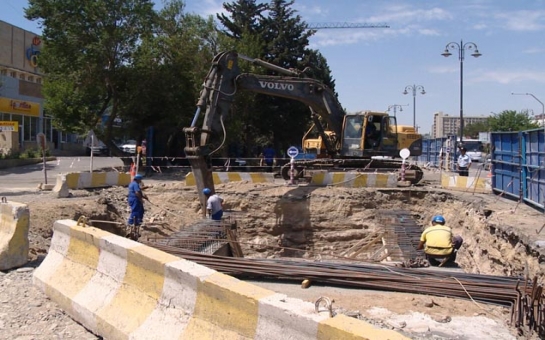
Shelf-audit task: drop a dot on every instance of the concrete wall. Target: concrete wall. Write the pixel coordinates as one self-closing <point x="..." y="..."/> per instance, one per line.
<point x="14" y="243"/>
<point x="469" y="184"/>
<point x="226" y="177"/>
<point x="82" y="180"/>
<point x="355" y="179"/>
<point x="121" y="289"/>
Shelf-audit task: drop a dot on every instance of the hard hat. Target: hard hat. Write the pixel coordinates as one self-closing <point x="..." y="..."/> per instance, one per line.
<point x="138" y="176"/>
<point x="438" y="219"/>
<point x="206" y="191"/>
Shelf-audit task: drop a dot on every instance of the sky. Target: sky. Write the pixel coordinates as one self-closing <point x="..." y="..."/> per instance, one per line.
<point x="373" y="66"/>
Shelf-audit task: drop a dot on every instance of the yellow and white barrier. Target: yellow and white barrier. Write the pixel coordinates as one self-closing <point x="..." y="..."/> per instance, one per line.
<point x="82" y="180"/>
<point x="355" y="179"/>
<point x="14" y="243"/>
<point x="121" y="289"/>
<point x="226" y="177"/>
<point x="469" y="183"/>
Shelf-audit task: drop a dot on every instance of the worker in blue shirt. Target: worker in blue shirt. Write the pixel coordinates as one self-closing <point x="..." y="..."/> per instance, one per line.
<point x="136" y="201"/>
<point x="464" y="163"/>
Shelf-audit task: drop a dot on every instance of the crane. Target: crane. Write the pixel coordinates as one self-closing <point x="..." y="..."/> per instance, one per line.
<point x="324" y="25"/>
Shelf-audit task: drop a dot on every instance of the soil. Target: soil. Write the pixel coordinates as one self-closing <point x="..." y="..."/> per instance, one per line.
<point x="275" y="220"/>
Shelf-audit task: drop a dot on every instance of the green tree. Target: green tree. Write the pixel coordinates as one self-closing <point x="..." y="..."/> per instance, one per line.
<point x="276" y="34"/>
<point x="88" y="47"/>
<point x="472" y="130"/>
<point x="511" y="120"/>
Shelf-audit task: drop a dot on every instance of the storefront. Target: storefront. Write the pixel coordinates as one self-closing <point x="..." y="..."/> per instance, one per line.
<point x="21" y="98"/>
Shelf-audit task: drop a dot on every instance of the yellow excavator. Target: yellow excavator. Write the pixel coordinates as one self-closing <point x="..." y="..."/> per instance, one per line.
<point x="363" y="141"/>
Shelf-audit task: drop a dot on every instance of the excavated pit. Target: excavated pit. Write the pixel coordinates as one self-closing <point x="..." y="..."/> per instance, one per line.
<point x="323" y="223"/>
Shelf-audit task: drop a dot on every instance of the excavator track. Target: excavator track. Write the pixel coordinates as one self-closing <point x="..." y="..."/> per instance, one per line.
<point x="413" y="173"/>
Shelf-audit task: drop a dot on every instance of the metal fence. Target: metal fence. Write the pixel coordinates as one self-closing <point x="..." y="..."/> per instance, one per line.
<point x="517" y="162"/>
<point x="518" y="165"/>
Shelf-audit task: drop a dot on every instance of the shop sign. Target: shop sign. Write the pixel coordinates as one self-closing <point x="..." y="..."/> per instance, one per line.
<point x="9" y="126"/>
<point x="33" y="52"/>
<point x="21" y="107"/>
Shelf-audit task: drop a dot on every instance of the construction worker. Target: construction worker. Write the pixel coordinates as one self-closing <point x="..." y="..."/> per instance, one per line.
<point x="136" y="201"/>
<point x="440" y="244"/>
<point x="214" y="205"/>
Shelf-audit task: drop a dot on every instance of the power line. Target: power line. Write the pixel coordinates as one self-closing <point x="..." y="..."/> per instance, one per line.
<point x="327" y="25"/>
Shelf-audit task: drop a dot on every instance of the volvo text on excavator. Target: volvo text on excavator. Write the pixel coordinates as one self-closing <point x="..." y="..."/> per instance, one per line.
<point x="340" y="141"/>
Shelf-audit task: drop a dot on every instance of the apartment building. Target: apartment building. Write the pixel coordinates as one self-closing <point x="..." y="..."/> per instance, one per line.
<point x="444" y="124"/>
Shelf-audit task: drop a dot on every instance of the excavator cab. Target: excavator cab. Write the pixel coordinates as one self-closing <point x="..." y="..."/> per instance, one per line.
<point x="369" y="134"/>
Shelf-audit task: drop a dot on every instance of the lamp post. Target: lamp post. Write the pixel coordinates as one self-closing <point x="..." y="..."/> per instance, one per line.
<point x="461" y="47"/>
<point x="542" y="106"/>
<point x="414" y="88"/>
<point x="395" y="107"/>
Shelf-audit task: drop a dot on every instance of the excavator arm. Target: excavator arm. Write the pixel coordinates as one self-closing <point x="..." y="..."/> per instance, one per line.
<point x="223" y="82"/>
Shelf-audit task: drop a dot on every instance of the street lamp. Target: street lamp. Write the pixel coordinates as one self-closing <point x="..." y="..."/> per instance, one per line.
<point x="414" y="88"/>
<point x="461" y="54"/>
<point x="542" y="106"/>
<point x="395" y="107"/>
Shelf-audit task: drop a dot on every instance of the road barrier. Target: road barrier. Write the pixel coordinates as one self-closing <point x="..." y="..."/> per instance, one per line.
<point x="226" y="177"/>
<point x="355" y="179"/>
<point x="83" y="180"/>
<point x="469" y="183"/>
<point x="121" y="289"/>
<point x="14" y="243"/>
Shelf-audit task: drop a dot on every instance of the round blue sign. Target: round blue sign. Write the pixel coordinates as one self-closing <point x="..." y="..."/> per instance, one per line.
<point x="292" y="151"/>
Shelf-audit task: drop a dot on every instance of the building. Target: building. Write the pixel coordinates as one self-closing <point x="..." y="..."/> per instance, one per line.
<point x="445" y="125"/>
<point x="22" y="114"/>
<point x="538" y="119"/>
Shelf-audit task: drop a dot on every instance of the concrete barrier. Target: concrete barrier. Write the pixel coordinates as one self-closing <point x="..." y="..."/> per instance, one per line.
<point x="469" y="183"/>
<point x="14" y="243"/>
<point x="83" y="180"/>
<point x="226" y="177"/>
<point x="355" y="179"/>
<point x="121" y="289"/>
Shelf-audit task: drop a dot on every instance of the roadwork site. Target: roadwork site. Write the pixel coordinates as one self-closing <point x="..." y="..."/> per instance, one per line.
<point x="347" y="251"/>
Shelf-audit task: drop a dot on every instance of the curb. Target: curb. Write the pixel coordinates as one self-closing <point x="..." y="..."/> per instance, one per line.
<point x="121" y="289"/>
<point x="355" y="179"/>
<point x="226" y="177"/>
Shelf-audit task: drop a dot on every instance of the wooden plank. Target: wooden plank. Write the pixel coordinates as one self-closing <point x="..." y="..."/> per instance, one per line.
<point x="367" y="246"/>
<point x="358" y="244"/>
<point x="233" y="242"/>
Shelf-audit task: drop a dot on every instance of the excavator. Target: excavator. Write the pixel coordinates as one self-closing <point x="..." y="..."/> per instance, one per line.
<point x="363" y="141"/>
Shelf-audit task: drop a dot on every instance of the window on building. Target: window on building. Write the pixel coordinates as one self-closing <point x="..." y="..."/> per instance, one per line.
<point x="22" y="76"/>
<point x="30" y="128"/>
<point x="30" y="78"/>
<point x="3" y="72"/>
<point x="13" y="74"/>
<point x="39" y="80"/>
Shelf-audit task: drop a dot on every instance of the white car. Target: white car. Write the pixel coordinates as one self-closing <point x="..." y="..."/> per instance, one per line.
<point x="129" y="147"/>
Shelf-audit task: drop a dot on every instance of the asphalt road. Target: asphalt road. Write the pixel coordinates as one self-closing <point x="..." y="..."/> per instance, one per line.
<point x="30" y="176"/>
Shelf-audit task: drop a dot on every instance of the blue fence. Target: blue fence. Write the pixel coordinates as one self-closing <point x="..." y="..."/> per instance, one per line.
<point x="435" y="152"/>
<point x="518" y="162"/>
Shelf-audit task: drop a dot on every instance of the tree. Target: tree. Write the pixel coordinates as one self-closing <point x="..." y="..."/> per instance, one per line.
<point x="511" y="120"/>
<point x="472" y="130"/>
<point x="276" y="34"/>
<point x="89" y="46"/>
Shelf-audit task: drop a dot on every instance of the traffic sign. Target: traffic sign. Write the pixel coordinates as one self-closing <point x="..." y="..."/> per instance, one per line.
<point x="40" y="139"/>
<point x="404" y="153"/>
<point x="292" y="151"/>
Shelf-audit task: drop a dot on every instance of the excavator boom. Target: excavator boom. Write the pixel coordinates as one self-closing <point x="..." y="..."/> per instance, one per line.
<point x="225" y="79"/>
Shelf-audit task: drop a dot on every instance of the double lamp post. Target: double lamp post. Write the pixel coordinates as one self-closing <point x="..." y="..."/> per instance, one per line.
<point x="461" y="47"/>
<point x="414" y="89"/>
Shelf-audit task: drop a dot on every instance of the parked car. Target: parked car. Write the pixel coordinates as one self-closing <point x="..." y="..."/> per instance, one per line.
<point x="99" y="150"/>
<point x="129" y="146"/>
